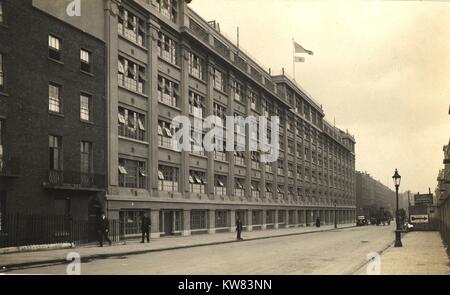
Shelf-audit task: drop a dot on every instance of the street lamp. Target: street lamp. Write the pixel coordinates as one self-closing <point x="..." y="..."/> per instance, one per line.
<point x="398" y="238"/>
<point x="335" y="217"/>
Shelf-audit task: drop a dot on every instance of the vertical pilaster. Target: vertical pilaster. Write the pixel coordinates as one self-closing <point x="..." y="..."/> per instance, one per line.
<point x="211" y="221"/>
<point x="275" y="225"/>
<point x="186" y="223"/>
<point x="154" y="219"/>
<point x="249" y="220"/>
<point x="264" y="218"/>
<point x="184" y="106"/>
<point x="232" y="218"/>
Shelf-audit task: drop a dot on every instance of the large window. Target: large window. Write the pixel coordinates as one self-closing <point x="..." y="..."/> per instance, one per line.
<point x="165" y="134"/>
<point x="168" y="92"/>
<point x="168" y="8"/>
<point x="197" y="106"/>
<point x="220" y="182"/>
<point x="85" y="61"/>
<point x="238" y="92"/>
<point x="221" y="112"/>
<point x="254" y="186"/>
<point x="219" y="80"/>
<point x="131" y="27"/>
<point x="269" y="190"/>
<point x="132" y="173"/>
<point x="55" y="152"/>
<point x="131" y="75"/>
<point x="199" y="219"/>
<point x="167" y="48"/>
<point x="131" y="124"/>
<point x="197" y="137"/>
<point x="254" y="100"/>
<point x="54" y="47"/>
<point x="86" y="157"/>
<point x="2" y="72"/>
<point x="85" y="107"/>
<point x="168" y="178"/>
<point x="196" y="66"/>
<point x="197" y="182"/>
<point x="239" y="188"/>
<point x="239" y="157"/>
<point x="222" y="218"/>
<point x="54" y="98"/>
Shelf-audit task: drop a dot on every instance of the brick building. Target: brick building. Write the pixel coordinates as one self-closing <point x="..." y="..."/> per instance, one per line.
<point x="164" y="60"/>
<point x="52" y="114"/>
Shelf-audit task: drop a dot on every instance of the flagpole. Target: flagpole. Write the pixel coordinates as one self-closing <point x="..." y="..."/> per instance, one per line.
<point x="293" y="57"/>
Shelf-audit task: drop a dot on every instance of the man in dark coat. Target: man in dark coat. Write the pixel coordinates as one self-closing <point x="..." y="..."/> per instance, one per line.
<point x="318" y="221"/>
<point x="103" y="229"/>
<point x="145" y="228"/>
<point x="239" y="228"/>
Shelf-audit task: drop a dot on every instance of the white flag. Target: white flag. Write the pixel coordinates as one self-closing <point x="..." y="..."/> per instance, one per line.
<point x="299" y="49"/>
<point x="299" y="59"/>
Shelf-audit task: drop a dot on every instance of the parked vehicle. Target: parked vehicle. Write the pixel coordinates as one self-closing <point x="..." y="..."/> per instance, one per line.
<point x="361" y="220"/>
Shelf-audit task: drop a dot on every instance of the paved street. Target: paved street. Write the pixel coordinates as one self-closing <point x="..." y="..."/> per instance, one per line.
<point x="333" y="252"/>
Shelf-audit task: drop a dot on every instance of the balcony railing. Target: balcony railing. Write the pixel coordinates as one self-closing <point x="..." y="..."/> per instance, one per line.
<point x="75" y="180"/>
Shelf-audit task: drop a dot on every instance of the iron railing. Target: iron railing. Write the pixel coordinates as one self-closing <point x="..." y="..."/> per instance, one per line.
<point x="25" y="230"/>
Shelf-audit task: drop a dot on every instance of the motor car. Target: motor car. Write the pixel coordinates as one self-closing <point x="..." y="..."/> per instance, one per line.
<point x="361" y="220"/>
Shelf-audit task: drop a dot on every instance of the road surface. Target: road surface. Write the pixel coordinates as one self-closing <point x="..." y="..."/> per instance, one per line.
<point x="335" y="252"/>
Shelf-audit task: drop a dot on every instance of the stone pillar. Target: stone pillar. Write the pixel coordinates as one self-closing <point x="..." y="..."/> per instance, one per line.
<point x="154" y="219"/>
<point x="249" y="220"/>
<point x="275" y="223"/>
<point x="232" y="217"/>
<point x="296" y="222"/>
<point x="286" y="218"/>
<point x="264" y="219"/>
<point x="186" y="223"/>
<point x="211" y="221"/>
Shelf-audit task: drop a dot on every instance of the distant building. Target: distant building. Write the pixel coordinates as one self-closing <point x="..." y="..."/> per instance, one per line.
<point x="373" y="196"/>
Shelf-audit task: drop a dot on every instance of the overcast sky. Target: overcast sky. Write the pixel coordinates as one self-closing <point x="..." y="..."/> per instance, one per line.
<point x="381" y="68"/>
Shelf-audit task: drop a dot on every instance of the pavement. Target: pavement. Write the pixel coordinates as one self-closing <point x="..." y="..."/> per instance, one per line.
<point x="88" y="253"/>
<point x="423" y="253"/>
<point x="333" y="252"/>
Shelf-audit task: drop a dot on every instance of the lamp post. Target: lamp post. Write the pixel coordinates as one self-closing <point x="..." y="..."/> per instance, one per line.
<point x="398" y="238"/>
<point x="335" y="217"/>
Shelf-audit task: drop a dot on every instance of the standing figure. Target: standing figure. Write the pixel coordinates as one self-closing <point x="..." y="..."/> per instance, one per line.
<point x="145" y="228"/>
<point x="318" y="221"/>
<point x="238" y="228"/>
<point x="103" y="229"/>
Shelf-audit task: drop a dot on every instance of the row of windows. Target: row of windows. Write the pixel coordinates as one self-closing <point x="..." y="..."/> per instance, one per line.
<point x="55" y="102"/>
<point x="55" y="144"/>
<point x="55" y="53"/>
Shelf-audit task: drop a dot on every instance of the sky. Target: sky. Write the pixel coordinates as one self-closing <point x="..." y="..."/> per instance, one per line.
<point x="381" y="69"/>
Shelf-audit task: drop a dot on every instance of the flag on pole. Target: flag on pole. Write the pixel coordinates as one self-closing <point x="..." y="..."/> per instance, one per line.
<point x="299" y="59"/>
<point x="299" y="49"/>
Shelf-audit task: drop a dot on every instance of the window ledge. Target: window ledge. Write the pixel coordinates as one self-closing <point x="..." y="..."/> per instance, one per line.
<point x="56" y="114"/>
<point x="169" y="63"/>
<point x="4" y="94"/>
<point x="197" y="79"/>
<point x="87" y="122"/>
<point x="87" y="73"/>
<point x="56" y="61"/>
<point x="132" y="91"/>
<point x="170" y="106"/>
<point x="133" y="140"/>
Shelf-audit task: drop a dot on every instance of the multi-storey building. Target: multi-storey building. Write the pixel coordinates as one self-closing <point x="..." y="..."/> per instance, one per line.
<point x="372" y="196"/>
<point x="442" y="199"/>
<point x="163" y="61"/>
<point x="52" y="114"/>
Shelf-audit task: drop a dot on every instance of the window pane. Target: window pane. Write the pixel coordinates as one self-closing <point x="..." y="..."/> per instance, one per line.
<point x="54" y="98"/>
<point x="85" y="107"/>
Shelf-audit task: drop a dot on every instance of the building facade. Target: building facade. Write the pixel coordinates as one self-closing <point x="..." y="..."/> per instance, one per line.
<point x="372" y="196"/>
<point x="442" y="195"/>
<point x="164" y="61"/>
<point x="52" y="114"/>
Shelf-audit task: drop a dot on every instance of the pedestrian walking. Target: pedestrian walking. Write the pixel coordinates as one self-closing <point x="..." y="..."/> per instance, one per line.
<point x="318" y="221"/>
<point x="103" y="229"/>
<point x="238" y="228"/>
<point x="145" y="228"/>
